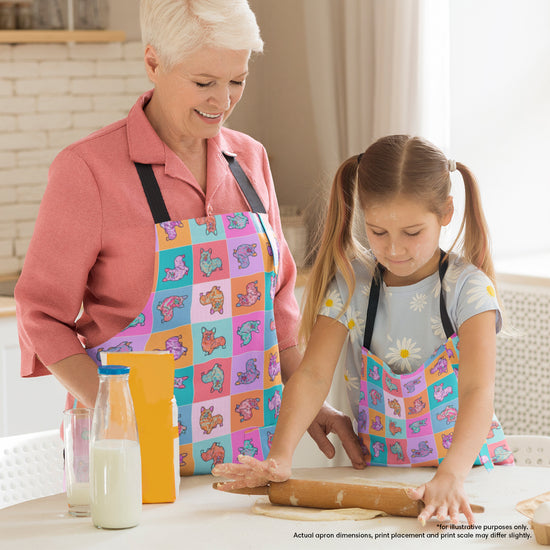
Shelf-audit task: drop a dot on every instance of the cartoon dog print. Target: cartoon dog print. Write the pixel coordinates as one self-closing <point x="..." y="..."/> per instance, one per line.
<point x="390" y="385"/>
<point x="409" y="386"/>
<point x="246" y="407"/>
<point x="238" y="221"/>
<point x="214" y="376"/>
<point x="167" y="306"/>
<point x="215" y="298"/>
<point x="378" y="448"/>
<point x="216" y="453"/>
<point x="208" y="264"/>
<point x="179" y="271"/>
<point x="440" y="367"/>
<point x="374" y="372"/>
<point x="175" y="346"/>
<point x="494" y="426"/>
<point x="376" y="424"/>
<point x="170" y="229"/>
<point x="394" y="428"/>
<point x="375" y="396"/>
<point x="210" y="222"/>
<point x="248" y="448"/>
<point x="251" y="297"/>
<point x="209" y="343"/>
<point x="274" y="367"/>
<point x="449" y="414"/>
<point x="418" y="406"/>
<point x="209" y="421"/>
<point x="243" y="253"/>
<point x="423" y="450"/>
<point x="245" y="331"/>
<point x="416" y="426"/>
<point x="250" y="374"/>
<point x="440" y="393"/>
<point x="274" y="403"/>
<point x="397" y="450"/>
<point x="179" y="382"/>
<point x="446" y="440"/>
<point x="394" y="404"/>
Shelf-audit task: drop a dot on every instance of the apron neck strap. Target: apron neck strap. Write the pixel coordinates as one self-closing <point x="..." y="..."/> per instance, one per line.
<point x="152" y="192"/>
<point x="244" y="183"/>
<point x="158" y="206"/>
<point x="374" y="297"/>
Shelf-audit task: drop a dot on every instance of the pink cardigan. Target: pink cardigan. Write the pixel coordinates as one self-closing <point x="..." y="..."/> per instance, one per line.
<point x="94" y="237"/>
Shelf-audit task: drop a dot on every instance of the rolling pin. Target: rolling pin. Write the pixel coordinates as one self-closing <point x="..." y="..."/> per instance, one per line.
<point x="329" y="495"/>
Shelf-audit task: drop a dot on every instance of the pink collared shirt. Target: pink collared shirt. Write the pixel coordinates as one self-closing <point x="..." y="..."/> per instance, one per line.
<point x="93" y="240"/>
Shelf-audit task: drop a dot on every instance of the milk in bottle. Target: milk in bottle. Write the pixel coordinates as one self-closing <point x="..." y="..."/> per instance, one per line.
<point x="115" y="460"/>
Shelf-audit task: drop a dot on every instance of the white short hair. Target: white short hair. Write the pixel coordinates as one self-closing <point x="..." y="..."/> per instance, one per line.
<point x="177" y="28"/>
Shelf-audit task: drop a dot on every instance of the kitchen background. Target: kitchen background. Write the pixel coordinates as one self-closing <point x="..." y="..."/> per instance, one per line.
<point x="472" y="75"/>
<point x="491" y="105"/>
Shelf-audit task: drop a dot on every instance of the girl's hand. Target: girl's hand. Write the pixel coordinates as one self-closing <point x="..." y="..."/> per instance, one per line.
<point x="252" y="472"/>
<point x="443" y="497"/>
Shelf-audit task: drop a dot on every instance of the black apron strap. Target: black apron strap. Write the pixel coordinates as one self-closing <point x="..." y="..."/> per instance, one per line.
<point x="244" y="183"/>
<point x="445" y="320"/>
<point x="152" y="192"/>
<point x="158" y="206"/>
<point x="374" y="297"/>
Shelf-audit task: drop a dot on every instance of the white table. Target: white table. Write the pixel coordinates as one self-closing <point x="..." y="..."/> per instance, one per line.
<point x="203" y="518"/>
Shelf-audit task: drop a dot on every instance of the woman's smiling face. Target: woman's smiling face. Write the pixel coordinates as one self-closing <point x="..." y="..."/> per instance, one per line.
<point x="404" y="237"/>
<point x="195" y="97"/>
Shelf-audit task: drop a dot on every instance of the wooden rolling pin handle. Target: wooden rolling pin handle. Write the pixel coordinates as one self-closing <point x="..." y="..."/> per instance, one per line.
<point x="327" y="495"/>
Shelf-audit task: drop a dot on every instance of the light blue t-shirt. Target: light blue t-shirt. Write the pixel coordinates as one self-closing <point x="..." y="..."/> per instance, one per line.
<point x="408" y="327"/>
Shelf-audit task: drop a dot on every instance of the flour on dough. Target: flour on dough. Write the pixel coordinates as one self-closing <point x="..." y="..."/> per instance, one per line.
<point x="263" y="507"/>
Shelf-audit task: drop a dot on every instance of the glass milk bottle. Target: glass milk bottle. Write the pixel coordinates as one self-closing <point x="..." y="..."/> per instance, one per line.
<point x="115" y="460"/>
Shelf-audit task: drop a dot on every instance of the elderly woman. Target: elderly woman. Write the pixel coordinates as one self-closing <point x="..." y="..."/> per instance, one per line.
<point x="162" y="232"/>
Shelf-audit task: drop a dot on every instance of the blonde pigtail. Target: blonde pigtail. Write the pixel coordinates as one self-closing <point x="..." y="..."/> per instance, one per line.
<point x="476" y="244"/>
<point x="337" y="245"/>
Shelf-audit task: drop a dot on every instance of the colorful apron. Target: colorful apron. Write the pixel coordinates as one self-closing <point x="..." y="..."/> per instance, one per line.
<point x="211" y="306"/>
<point x="408" y="419"/>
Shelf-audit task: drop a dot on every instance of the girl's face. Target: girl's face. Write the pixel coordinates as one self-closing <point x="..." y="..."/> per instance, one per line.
<point x="404" y="237"/>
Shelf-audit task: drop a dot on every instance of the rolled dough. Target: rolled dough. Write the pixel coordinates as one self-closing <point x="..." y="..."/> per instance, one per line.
<point x="297" y="513"/>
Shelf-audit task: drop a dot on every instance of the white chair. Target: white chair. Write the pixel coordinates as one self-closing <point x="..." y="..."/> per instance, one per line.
<point x="522" y="384"/>
<point x="530" y="450"/>
<point x="31" y="466"/>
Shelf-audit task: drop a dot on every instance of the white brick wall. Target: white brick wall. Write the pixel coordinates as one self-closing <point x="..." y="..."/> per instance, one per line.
<point x="50" y="96"/>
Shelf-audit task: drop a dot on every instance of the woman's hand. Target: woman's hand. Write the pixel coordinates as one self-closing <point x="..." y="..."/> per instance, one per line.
<point x="330" y="420"/>
<point x="252" y="472"/>
<point x="443" y="497"/>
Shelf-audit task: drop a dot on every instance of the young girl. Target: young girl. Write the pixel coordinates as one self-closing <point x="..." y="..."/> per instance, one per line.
<point x="392" y="306"/>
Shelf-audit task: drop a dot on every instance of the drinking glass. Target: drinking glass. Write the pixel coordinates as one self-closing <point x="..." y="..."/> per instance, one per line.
<point x="77" y="425"/>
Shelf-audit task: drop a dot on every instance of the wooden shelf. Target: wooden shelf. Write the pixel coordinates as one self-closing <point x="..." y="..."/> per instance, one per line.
<point x="46" y="36"/>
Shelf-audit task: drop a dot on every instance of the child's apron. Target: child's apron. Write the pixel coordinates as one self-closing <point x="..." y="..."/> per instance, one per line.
<point x="408" y="419"/>
<point x="211" y="306"/>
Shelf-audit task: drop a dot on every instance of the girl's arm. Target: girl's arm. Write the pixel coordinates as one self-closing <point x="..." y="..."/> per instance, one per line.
<point x="328" y="420"/>
<point x="303" y="396"/>
<point x="444" y="495"/>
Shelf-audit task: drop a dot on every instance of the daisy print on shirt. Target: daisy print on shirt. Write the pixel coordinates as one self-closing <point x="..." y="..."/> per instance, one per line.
<point x="480" y="293"/>
<point x="400" y="356"/>
<point x="418" y="302"/>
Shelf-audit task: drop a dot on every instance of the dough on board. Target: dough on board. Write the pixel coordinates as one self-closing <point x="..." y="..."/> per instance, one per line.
<point x="263" y="507"/>
<point x="339" y="475"/>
